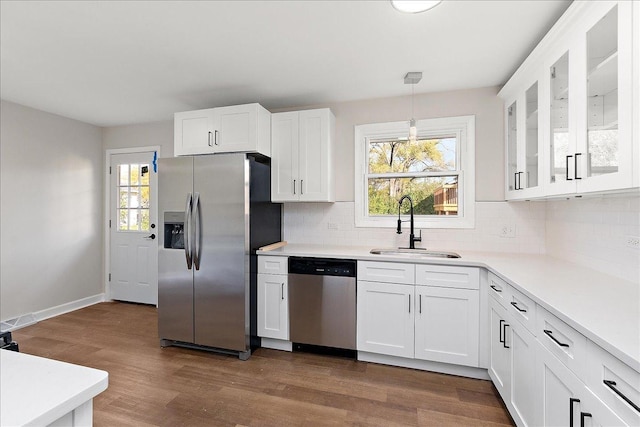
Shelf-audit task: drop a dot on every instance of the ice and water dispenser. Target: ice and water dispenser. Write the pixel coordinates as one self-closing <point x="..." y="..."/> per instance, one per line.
<point x="174" y="230"/>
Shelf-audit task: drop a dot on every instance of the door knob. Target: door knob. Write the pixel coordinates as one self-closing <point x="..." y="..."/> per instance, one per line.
<point x="152" y="236"/>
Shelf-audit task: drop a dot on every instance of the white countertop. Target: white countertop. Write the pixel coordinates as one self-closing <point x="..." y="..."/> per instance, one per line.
<point x="38" y="391"/>
<point x="603" y="308"/>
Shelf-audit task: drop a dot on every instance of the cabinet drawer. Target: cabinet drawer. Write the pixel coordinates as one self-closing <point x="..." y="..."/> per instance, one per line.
<point x="562" y="340"/>
<point x="499" y="290"/>
<point x="602" y="366"/>
<point x="272" y="264"/>
<point x="386" y="272"/>
<point x="447" y="276"/>
<point x="523" y="308"/>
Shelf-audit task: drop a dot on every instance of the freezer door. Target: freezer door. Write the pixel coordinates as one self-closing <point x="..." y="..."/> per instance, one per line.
<point x="175" y="280"/>
<point x="221" y="284"/>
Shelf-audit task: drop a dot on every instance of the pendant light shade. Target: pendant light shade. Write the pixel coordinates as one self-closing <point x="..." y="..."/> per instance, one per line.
<point x="414" y="6"/>
<point x="411" y="78"/>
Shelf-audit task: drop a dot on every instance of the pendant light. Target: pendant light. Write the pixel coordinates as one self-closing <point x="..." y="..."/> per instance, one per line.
<point x="411" y="78"/>
<point x="414" y="6"/>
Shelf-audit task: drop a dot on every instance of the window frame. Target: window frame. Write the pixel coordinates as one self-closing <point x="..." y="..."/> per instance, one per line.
<point x="463" y="127"/>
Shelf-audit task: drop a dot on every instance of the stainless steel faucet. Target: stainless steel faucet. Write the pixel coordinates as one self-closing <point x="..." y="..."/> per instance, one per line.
<point x="412" y="237"/>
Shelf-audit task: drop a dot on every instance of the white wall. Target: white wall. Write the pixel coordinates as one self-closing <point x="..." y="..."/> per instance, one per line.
<point x="51" y="210"/>
<point x="482" y="102"/>
<point x="140" y="135"/>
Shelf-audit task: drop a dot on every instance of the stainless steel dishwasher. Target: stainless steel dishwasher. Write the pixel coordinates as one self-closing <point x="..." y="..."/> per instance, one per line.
<point x="322" y="302"/>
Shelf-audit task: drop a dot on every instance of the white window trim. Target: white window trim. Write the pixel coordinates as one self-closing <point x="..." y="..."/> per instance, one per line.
<point x="463" y="127"/>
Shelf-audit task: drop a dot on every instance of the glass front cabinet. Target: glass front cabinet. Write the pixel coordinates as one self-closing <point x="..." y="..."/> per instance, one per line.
<point x="571" y="108"/>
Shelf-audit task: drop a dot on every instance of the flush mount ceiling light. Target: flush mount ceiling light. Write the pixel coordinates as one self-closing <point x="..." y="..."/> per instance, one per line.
<point x="414" y="6"/>
<point x="412" y="78"/>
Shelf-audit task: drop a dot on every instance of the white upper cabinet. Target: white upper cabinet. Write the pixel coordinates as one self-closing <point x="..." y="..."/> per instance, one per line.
<point x="301" y="164"/>
<point x="239" y="128"/>
<point x="569" y="108"/>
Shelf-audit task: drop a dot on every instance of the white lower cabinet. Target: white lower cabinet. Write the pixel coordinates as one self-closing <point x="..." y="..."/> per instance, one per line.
<point x="564" y="399"/>
<point x="385" y="318"/>
<point x="446" y="325"/>
<point x="499" y="359"/>
<point x="396" y="317"/>
<point x="273" y="301"/>
<point x="522" y="394"/>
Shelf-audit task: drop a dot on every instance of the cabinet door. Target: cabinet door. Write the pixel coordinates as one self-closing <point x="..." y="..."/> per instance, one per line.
<point x="316" y="138"/>
<point x="523" y="350"/>
<point x="273" y="306"/>
<point x="284" y="161"/>
<point x="446" y="325"/>
<point x="605" y="152"/>
<point x="385" y="318"/>
<point x="558" y="390"/>
<point x="193" y="132"/>
<point x="499" y="367"/>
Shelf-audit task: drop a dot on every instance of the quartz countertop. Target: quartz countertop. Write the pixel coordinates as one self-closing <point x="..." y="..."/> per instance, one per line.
<point x="38" y="391"/>
<point x="603" y="308"/>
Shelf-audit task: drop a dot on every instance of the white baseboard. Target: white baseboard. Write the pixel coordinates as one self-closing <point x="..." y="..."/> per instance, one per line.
<point x="31" y="318"/>
<point x="425" y="365"/>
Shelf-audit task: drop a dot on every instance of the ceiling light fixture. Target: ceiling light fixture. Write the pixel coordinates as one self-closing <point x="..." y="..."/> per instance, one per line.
<point x="412" y="78"/>
<point x="414" y="6"/>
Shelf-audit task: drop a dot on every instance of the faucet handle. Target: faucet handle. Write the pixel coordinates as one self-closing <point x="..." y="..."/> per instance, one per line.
<point x="419" y="238"/>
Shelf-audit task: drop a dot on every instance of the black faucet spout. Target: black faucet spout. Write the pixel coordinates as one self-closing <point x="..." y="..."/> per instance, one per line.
<point x="412" y="237"/>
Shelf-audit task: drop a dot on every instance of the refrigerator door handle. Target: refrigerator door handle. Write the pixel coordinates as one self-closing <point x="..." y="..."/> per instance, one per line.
<point x="197" y="235"/>
<point x="187" y="231"/>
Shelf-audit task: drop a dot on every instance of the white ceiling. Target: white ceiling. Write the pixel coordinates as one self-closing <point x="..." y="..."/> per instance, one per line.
<point x="113" y="63"/>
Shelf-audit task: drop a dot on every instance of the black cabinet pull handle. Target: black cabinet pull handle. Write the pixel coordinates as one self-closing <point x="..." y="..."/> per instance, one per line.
<point x="495" y="288"/>
<point x="520" y="180"/>
<point x="515" y="304"/>
<point x="584" y="415"/>
<point x="504" y="343"/>
<point x="612" y="386"/>
<point x="554" y="339"/>
<point x="575" y="166"/>
<point x="501" y="336"/>
<point x="572" y="400"/>
<point x="282" y="291"/>
<point x="567" y="172"/>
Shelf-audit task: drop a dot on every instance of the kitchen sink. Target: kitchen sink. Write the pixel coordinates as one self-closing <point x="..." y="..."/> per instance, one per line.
<point x="414" y="253"/>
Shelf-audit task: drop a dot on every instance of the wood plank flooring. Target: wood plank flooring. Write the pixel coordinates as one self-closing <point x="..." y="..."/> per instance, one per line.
<point x="152" y="386"/>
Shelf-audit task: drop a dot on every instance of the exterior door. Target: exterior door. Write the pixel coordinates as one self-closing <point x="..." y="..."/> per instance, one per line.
<point x="133" y="231"/>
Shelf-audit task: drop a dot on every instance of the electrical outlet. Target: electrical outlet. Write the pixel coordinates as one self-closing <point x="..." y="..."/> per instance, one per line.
<point x="633" y="242"/>
<point x="332" y="226"/>
<point x="507" y="230"/>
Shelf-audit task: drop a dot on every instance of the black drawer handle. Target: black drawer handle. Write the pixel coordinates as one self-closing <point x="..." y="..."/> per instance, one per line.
<point x="504" y="343"/>
<point x="554" y="339"/>
<point x="515" y="304"/>
<point x="612" y="386"/>
<point x="495" y="288"/>
<point x="583" y="415"/>
<point x="572" y="400"/>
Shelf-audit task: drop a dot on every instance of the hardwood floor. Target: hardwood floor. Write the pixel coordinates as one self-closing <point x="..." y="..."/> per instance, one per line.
<point x="152" y="386"/>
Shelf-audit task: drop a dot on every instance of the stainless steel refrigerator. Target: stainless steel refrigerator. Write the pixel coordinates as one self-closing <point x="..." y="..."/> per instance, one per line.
<point x="214" y="211"/>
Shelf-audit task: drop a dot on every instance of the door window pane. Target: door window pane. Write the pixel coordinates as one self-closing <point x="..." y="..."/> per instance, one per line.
<point x="559" y="118"/>
<point x="133" y="197"/>
<point x="602" y="92"/>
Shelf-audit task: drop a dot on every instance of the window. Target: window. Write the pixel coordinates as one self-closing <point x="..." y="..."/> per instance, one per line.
<point x="437" y="171"/>
<point x="133" y="197"/>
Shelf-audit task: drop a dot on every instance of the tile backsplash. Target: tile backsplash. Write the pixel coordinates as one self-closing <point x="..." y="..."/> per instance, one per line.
<point x="594" y="231"/>
<point x="311" y="222"/>
<point x="590" y="231"/>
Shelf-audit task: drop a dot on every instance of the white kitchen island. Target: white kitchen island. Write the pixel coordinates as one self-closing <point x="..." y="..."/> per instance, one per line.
<point x="45" y="392"/>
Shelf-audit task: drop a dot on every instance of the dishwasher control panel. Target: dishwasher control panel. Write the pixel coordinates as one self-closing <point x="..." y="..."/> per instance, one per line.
<point x="322" y="266"/>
